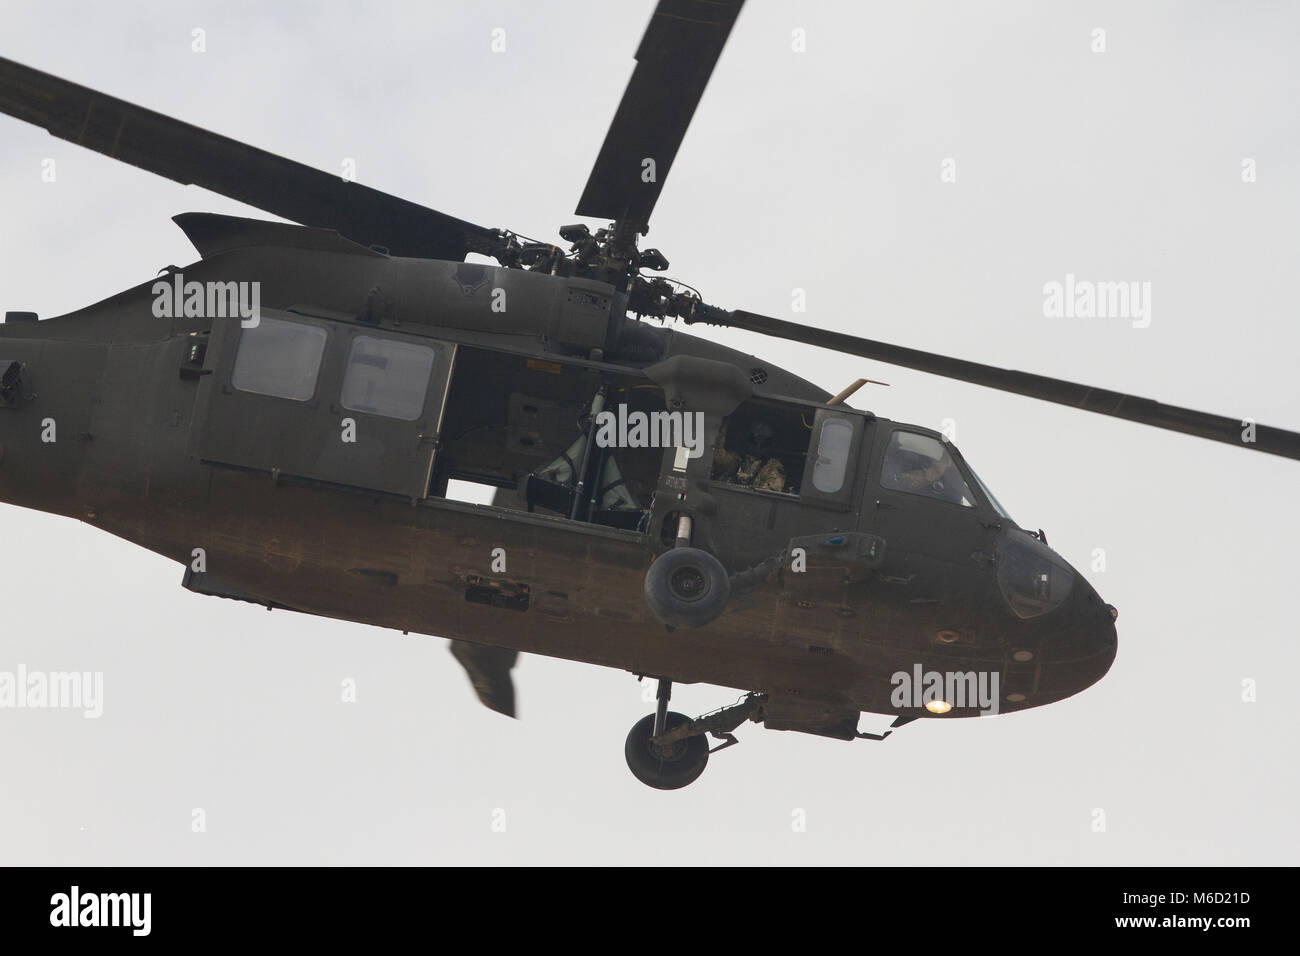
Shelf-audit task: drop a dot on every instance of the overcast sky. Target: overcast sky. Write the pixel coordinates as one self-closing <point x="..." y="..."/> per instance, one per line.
<point x="818" y="170"/>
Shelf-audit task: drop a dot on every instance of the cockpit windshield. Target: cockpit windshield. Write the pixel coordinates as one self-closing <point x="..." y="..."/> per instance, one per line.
<point x="921" y="465"/>
<point x="997" y="506"/>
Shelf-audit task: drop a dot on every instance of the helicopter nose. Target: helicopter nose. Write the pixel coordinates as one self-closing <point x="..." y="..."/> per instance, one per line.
<point x="1037" y="584"/>
<point x="1105" y="643"/>
<point x="1084" y="648"/>
<point x="1102" y="635"/>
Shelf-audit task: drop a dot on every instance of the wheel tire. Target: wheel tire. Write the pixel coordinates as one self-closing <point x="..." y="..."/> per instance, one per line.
<point x="687" y="587"/>
<point x="670" y="771"/>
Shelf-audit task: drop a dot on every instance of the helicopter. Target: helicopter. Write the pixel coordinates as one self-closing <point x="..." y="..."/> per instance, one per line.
<point x="294" y="405"/>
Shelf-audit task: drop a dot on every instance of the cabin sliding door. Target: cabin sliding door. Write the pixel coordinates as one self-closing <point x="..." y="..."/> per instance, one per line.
<point x="308" y="397"/>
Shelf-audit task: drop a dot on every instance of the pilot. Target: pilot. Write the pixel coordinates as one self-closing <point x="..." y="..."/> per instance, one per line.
<point x="923" y="476"/>
<point x="937" y="477"/>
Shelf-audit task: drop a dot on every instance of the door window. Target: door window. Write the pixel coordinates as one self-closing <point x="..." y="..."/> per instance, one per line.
<point x="832" y="455"/>
<point x="387" y="377"/>
<point x="279" y="358"/>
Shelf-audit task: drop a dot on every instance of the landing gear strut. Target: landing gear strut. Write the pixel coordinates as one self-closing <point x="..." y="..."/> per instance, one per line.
<point x="667" y="750"/>
<point x="663" y="766"/>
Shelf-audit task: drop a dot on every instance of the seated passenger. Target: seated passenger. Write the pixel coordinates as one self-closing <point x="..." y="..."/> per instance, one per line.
<point x="725" y="461"/>
<point x="771" y="477"/>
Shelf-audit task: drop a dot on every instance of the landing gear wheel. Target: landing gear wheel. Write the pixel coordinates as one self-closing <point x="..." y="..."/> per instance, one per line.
<point x="671" y="769"/>
<point x="687" y="587"/>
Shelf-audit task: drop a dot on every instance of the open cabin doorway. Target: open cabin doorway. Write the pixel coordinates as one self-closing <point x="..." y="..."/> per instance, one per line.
<point x="523" y="425"/>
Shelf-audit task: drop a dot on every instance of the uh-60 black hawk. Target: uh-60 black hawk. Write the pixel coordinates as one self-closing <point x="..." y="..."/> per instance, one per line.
<point x="284" y="415"/>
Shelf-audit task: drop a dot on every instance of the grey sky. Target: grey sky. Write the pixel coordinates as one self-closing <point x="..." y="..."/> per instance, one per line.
<point x="817" y="170"/>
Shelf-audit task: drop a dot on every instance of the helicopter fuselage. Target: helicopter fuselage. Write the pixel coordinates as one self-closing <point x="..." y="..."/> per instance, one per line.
<point x="320" y="484"/>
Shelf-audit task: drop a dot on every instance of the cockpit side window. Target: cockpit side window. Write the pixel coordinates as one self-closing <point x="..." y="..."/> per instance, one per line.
<point x="920" y="465"/>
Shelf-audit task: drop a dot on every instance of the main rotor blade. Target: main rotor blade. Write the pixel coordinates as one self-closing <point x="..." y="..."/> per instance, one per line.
<point x="190" y="155"/>
<point x="673" y="65"/>
<point x="1274" y="441"/>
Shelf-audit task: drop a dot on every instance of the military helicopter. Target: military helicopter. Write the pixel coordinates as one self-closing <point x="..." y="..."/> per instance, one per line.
<point x="284" y="417"/>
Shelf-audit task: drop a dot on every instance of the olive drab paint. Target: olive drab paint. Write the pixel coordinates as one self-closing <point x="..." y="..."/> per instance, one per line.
<point x="284" y="418"/>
